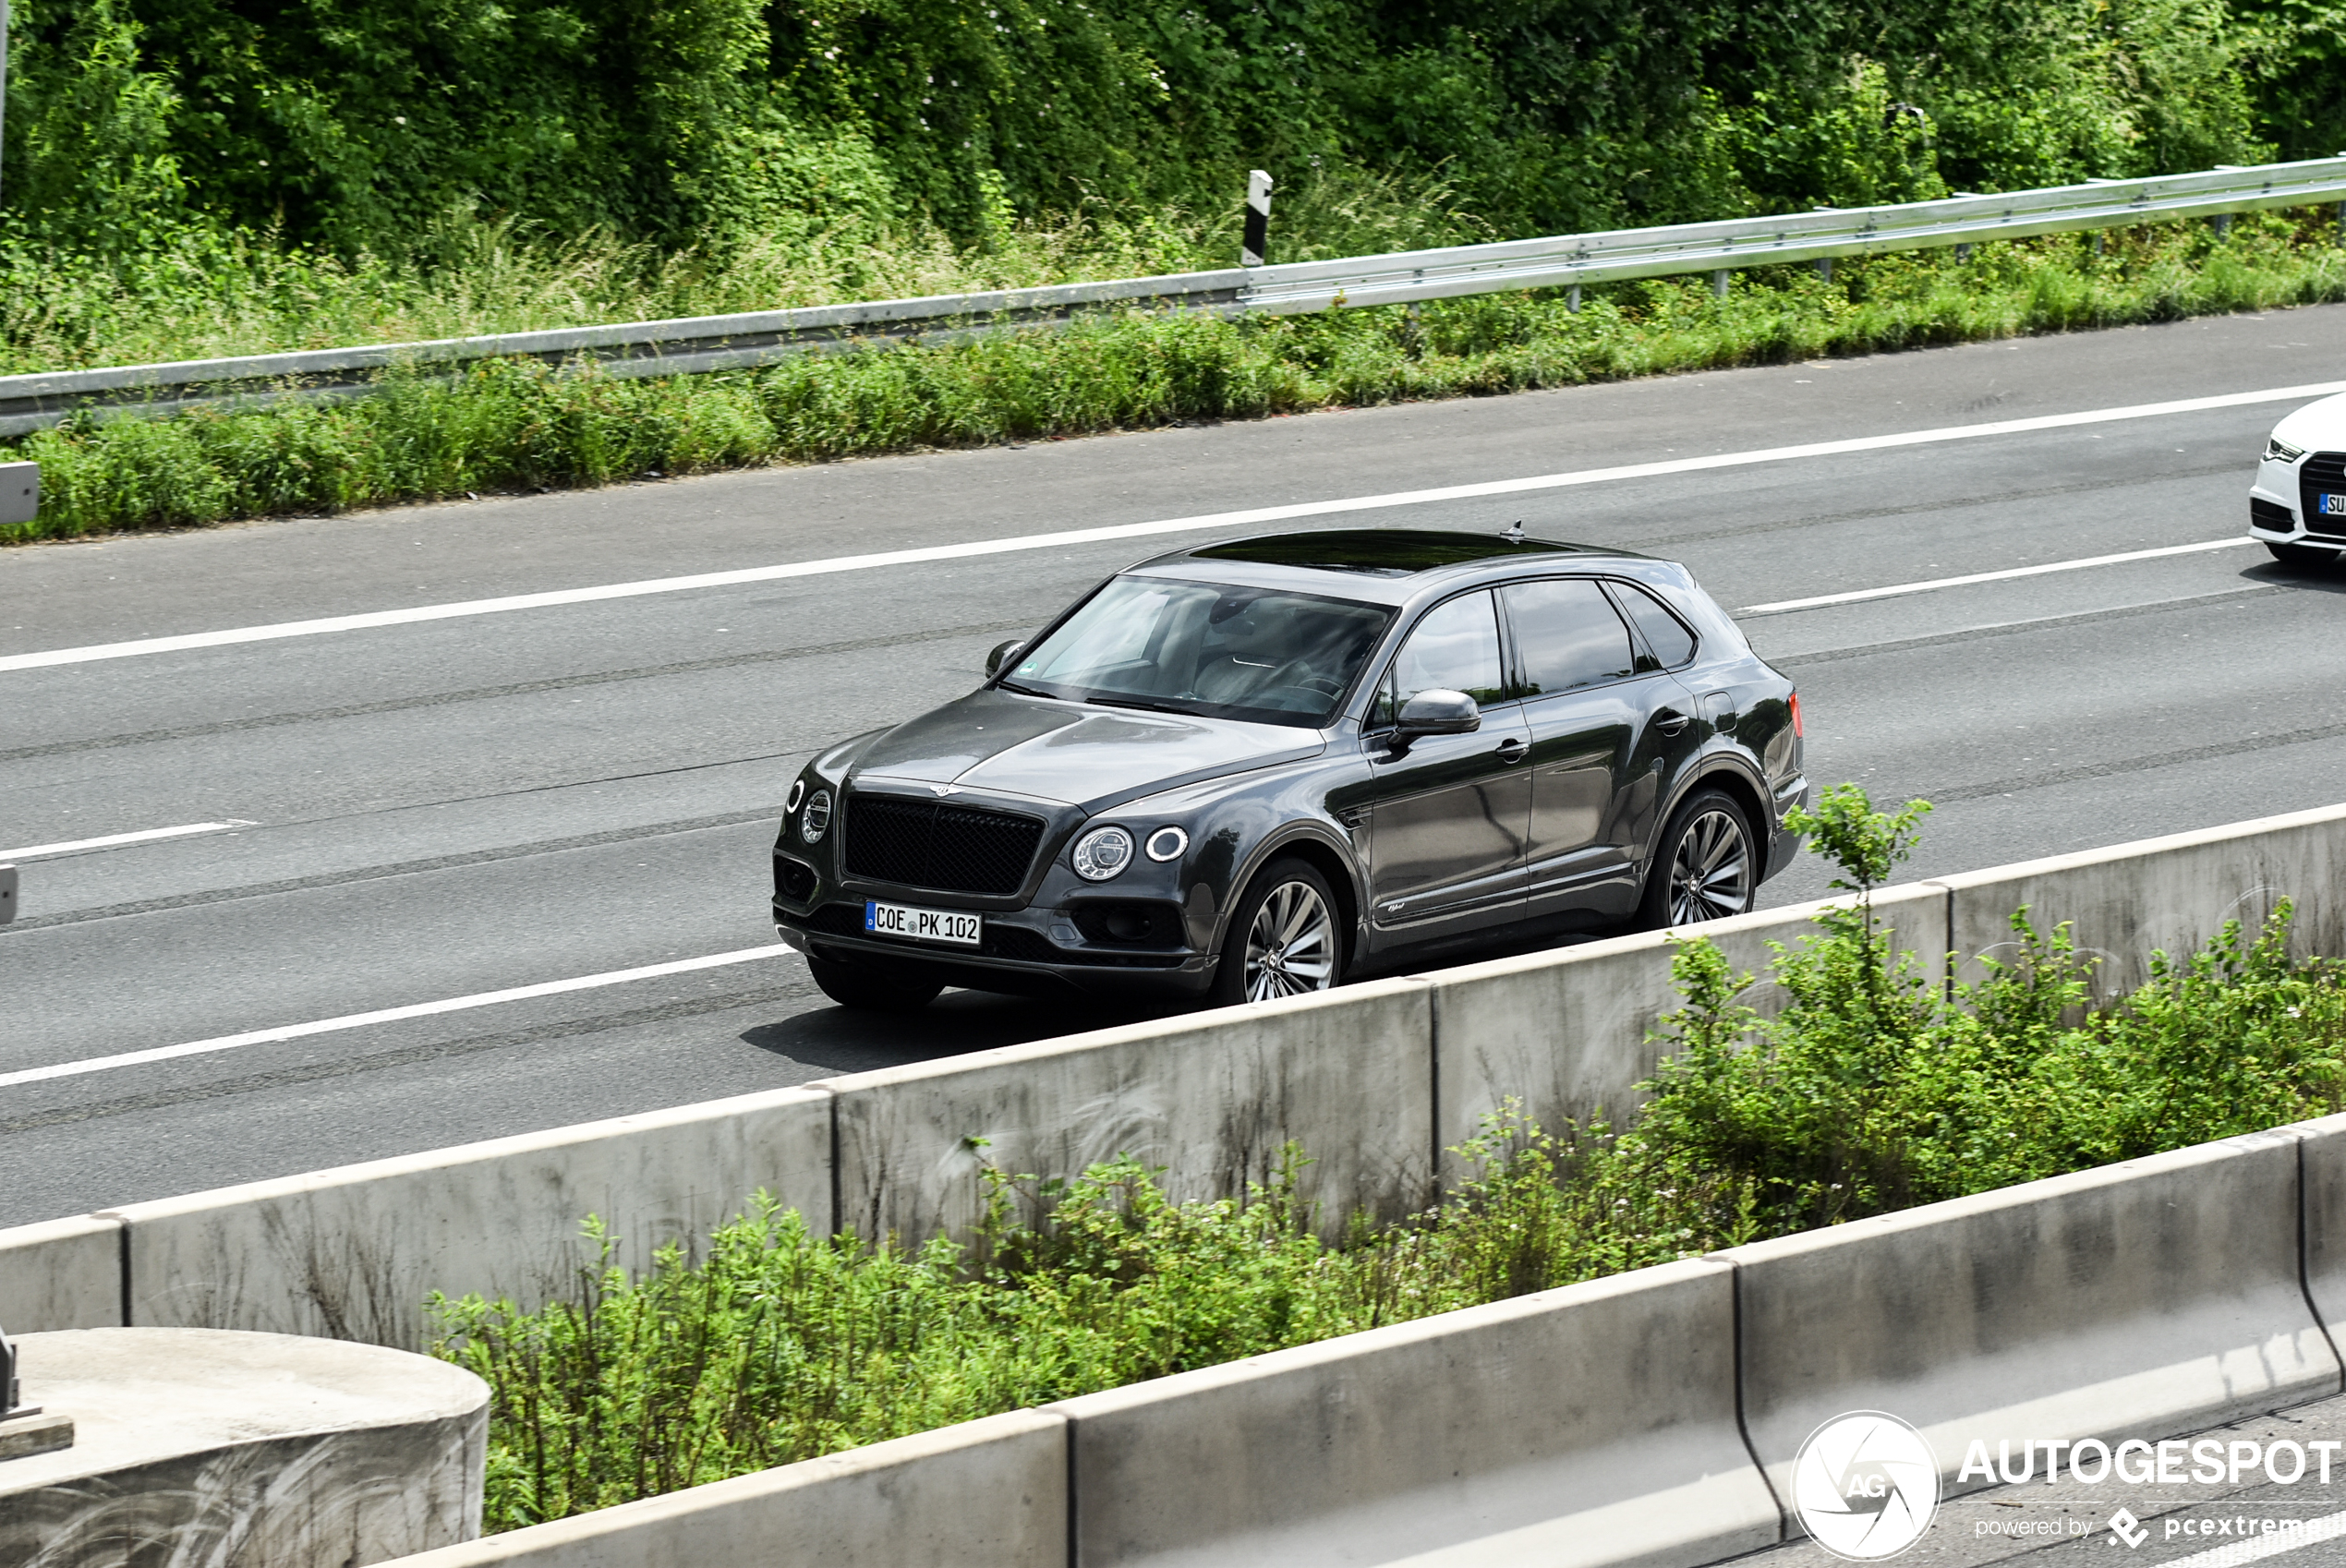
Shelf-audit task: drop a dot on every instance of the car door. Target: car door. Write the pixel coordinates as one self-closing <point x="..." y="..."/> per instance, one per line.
<point x="1602" y="715"/>
<point x="1448" y="813"/>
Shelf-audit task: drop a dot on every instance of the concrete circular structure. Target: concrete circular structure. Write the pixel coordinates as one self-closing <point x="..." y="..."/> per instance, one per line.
<point x="202" y="1448"/>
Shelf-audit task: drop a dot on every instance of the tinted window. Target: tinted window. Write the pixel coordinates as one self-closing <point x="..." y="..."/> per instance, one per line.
<point x="1566" y="635"/>
<point x="1454" y="648"/>
<point x="1670" y="641"/>
<point x="1206" y="648"/>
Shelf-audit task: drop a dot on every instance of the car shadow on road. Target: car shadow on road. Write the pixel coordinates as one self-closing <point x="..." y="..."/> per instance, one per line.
<point x="852" y="1040"/>
<point x="2312" y="579"/>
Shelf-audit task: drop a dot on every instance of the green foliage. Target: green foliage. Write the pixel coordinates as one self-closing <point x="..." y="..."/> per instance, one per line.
<point x="1869" y="1090"/>
<point x="521" y="426"/>
<point x="362" y="127"/>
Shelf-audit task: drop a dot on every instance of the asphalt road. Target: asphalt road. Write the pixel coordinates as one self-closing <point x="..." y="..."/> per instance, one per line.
<point x="442" y="808"/>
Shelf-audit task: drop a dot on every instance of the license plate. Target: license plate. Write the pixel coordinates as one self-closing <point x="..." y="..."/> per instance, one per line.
<point x="2331" y="506"/>
<point x="922" y="926"/>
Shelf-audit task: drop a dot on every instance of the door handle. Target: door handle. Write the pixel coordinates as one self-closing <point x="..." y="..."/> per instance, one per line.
<point x="1514" y="749"/>
<point x="1669" y="720"/>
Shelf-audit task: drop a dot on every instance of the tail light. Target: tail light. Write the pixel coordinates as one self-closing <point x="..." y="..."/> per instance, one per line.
<point x="1799" y="731"/>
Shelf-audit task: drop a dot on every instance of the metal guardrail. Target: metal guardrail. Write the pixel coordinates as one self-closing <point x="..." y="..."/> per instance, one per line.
<point x="690" y="345"/>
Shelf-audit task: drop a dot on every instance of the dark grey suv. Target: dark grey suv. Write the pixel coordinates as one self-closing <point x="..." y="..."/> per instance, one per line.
<point x="1262" y="766"/>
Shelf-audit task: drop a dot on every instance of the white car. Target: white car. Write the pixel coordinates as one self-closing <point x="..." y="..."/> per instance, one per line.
<point x="2298" y="503"/>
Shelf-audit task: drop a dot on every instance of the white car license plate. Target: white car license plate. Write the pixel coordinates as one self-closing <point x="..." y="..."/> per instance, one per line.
<point x="2331" y="506"/>
<point x="922" y="926"/>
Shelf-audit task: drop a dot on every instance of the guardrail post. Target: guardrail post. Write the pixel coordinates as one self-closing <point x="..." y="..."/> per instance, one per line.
<point x="2223" y="224"/>
<point x="1257" y="241"/>
<point x="1572" y="295"/>
<point x="1719" y="283"/>
<point x="2342" y="222"/>
<point x="1824" y="268"/>
<point x="1962" y="251"/>
<point x="20" y="490"/>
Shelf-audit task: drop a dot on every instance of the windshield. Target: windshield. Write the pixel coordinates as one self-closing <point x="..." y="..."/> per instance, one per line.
<point x="1206" y="648"/>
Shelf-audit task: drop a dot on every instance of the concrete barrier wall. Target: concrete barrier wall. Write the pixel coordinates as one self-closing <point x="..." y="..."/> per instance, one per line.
<point x="353" y="1253"/>
<point x="61" y="1275"/>
<point x="2135" y="1300"/>
<point x="1212" y="1099"/>
<point x="1570" y="1034"/>
<point x="1590" y="1425"/>
<point x="985" y="1494"/>
<point x="2321" y="1152"/>
<point x="2169" y="894"/>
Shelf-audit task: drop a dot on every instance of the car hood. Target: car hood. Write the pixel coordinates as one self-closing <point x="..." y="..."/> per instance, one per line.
<point x="1070" y="752"/>
<point x="2317" y="427"/>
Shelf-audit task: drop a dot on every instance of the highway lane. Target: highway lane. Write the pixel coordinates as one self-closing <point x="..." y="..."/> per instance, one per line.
<point x="453" y="807"/>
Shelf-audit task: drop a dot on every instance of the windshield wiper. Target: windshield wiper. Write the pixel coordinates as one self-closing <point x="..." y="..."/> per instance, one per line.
<point x="1138" y="703"/>
<point x="1021" y="691"/>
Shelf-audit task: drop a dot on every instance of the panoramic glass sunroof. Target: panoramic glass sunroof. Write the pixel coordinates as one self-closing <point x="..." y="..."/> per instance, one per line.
<point x="1379" y="552"/>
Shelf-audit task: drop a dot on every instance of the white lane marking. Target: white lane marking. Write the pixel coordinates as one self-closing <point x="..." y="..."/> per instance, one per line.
<point x="111" y="840"/>
<point x="388" y="1015"/>
<point x="1924" y="587"/>
<point x="2330" y="1526"/>
<point x="1142" y="530"/>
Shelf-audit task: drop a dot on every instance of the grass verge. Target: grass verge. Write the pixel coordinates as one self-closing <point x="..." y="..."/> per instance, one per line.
<point x="523" y="426"/>
<point x="1870" y="1091"/>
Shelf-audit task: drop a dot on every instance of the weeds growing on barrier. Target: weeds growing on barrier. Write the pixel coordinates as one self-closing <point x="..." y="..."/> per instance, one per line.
<point x="1870" y="1092"/>
<point x="515" y="426"/>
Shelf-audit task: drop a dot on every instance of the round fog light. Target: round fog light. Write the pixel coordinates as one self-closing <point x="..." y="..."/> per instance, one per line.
<point x="1166" y="844"/>
<point x="1101" y="853"/>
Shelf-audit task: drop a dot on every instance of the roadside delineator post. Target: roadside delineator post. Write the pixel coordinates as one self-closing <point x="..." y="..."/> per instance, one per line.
<point x="1256" y="243"/>
<point x="20" y="493"/>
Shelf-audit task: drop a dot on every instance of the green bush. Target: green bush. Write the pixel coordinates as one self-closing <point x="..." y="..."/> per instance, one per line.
<point x="523" y="424"/>
<point x="1871" y="1091"/>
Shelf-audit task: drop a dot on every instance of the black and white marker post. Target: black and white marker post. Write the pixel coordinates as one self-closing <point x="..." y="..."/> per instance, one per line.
<point x="1257" y="241"/>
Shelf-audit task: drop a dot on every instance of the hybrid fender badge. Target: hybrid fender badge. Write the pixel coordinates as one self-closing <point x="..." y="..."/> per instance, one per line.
<point x="1866" y="1486"/>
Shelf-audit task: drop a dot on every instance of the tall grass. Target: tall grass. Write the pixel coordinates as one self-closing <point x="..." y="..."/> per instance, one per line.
<point x="1870" y="1091"/>
<point x="523" y="424"/>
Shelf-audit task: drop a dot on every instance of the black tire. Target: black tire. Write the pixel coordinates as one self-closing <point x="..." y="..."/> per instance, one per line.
<point x="1299" y="946"/>
<point x="1706" y="866"/>
<point x="2305" y="556"/>
<point x="872" y="988"/>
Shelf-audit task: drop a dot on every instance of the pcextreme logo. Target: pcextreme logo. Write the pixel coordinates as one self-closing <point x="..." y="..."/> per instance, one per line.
<point x="1866" y="1484"/>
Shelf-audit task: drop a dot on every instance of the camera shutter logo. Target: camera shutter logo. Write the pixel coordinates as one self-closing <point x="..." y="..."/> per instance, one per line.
<point x="1866" y="1486"/>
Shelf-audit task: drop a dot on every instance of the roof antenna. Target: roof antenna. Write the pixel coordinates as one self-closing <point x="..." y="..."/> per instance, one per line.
<point x="1514" y="533"/>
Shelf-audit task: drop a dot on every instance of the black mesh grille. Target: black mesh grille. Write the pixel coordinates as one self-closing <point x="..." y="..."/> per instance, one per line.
<point x="933" y="844"/>
<point x="2270" y="515"/>
<point x="2320" y="475"/>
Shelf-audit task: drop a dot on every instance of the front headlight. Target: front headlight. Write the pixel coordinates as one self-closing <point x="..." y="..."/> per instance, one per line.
<point x="1102" y="853"/>
<point x="818" y="820"/>
<point x="2280" y="450"/>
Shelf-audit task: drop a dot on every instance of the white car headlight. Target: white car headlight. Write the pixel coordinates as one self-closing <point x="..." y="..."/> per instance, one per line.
<point x="818" y="820"/>
<point x="2280" y="450"/>
<point x="1102" y="853"/>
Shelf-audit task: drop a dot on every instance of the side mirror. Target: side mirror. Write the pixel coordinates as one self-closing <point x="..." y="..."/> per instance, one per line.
<point x="1437" y="712"/>
<point x="1003" y="653"/>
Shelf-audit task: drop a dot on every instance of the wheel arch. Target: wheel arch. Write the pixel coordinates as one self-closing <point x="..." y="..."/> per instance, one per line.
<point x="1316" y="850"/>
<point x="1725" y="775"/>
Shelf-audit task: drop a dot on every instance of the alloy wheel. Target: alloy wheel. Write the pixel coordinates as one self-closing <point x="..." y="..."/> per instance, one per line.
<point x="1291" y="947"/>
<point x="1711" y="873"/>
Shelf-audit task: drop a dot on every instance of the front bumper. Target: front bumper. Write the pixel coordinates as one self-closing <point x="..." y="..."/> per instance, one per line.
<point x="1023" y="952"/>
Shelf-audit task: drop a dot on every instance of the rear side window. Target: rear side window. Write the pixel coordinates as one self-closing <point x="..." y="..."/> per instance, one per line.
<point x="1663" y="633"/>
<point x="1566" y="634"/>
